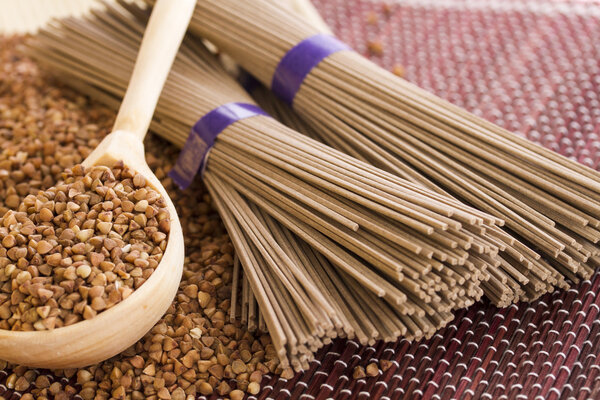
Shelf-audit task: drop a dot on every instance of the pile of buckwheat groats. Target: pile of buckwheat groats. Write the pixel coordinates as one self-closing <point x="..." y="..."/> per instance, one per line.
<point x="79" y="248"/>
<point x="194" y="349"/>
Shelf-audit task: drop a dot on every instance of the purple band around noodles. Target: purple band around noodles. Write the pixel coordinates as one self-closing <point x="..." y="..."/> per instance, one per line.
<point x="297" y="63"/>
<point x="202" y="138"/>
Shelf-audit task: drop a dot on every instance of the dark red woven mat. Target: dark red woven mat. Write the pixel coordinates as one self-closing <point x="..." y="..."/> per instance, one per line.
<point x="534" y="68"/>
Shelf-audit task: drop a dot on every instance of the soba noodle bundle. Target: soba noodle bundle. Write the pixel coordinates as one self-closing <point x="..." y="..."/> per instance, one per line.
<point x="551" y="204"/>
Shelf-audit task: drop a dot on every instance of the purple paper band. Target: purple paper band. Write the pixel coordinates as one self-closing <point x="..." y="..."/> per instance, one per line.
<point x="297" y="63"/>
<point x="202" y="138"/>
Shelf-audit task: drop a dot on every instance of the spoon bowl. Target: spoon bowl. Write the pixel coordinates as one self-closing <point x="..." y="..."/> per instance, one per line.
<point x="114" y="330"/>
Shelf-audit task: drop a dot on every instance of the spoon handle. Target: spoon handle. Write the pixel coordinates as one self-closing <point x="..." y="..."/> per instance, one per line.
<point x="163" y="35"/>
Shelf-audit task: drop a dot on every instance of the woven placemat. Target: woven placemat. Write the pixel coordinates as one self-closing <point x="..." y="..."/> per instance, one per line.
<point x="532" y="67"/>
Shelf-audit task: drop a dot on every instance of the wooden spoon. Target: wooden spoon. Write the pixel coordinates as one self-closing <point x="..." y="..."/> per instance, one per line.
<point x="114" y="330"/>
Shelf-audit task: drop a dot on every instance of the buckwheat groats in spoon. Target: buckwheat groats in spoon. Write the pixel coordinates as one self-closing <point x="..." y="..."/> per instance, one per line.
<point x="79" y="248"/>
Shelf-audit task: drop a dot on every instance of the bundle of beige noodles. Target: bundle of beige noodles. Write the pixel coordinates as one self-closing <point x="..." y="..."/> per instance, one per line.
<point x="551" y="205"/>
<point x="330" y="246"/>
